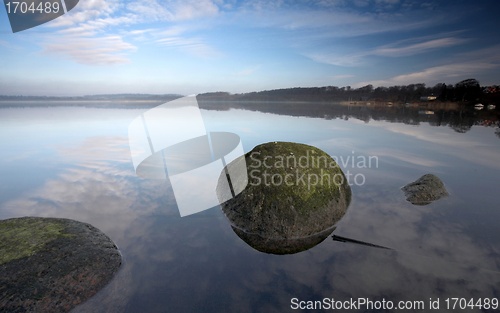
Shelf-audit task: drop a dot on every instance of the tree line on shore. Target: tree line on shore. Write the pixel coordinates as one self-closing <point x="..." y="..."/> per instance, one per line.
<point x="467" y="91"/>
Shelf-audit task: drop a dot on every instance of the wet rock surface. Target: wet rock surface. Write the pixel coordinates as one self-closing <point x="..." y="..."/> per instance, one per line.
<point x="296" y="193"/>
<point x="63" y="264"/>
<point x="425" y="190"/>
<point x="282" y="245"/>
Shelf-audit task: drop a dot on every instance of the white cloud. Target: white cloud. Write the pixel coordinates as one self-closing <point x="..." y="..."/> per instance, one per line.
<point x="150" y="10"/>
<point x="194" y="46"/>
<point x="194" y="9"/>
<point x="173" y="10"/>
<point x="83" y="36"/>
<point x="91" y="50"/>
<point x="181" y="37"/>
<point x="97" y="26"/>
<point x="138" y="32"/>
<point x="85" y="11"/>
<point x="93" y="32"/>
<point x="421" y="47"/>
<point x="397" y="49"/>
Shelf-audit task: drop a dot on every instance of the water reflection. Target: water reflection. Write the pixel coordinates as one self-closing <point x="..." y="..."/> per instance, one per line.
<point x="171" y="142"/>
<point x="450" y="248"/>
<point x="460" y="119"/>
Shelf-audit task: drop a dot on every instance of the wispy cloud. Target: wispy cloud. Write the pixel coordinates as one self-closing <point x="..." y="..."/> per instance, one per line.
<point x="92" y="50"/>
<point x="325" y="23"/>
<point x="488" y="54"/>
<point x="83" y="36"/>
<point x="92" y="20"/>
<point x="344" y="33"/>
<point x="335" y="58"/>
<point x="97" y="26"/>
<point x="434" y="74"/>
<point x="194" y="46"/>
<point x="86" y="11"/>
<point x="185" y="39"/>
<point x="395" y="50"/>
<point x="344" y="23"/>
<point x="461" y="65"/>
<point x="95" y="33"/>
<point x="173" y="10"/>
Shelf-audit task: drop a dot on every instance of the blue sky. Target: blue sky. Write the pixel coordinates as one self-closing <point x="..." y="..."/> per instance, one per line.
<point x="194" y="46"/>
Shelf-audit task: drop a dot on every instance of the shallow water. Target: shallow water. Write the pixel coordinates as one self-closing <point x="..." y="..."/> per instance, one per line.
<point x="75" y="162"/>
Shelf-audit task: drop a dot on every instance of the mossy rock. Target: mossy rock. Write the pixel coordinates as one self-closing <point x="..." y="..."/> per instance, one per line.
<point x="425" y="190"/>
<point x="295" y="193"/>
<point x="52" y="265"/>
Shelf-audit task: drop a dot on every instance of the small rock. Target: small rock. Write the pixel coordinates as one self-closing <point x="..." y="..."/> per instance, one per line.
<point x="425" y="190"/>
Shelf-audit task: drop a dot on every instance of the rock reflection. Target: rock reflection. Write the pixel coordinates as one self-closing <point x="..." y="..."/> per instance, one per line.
<point x="282" y="245"/>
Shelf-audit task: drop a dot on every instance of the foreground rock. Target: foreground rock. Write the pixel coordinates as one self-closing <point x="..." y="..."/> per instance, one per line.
<point x="425" y="190"/>
<point x="296" y="193"/>
<point x="52" y="265"/>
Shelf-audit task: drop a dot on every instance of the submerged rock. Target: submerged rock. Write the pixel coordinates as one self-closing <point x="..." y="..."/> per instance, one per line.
<point x="296" y="193"/>
<point x="52" y="265"/>
<point x="425" y="190"/>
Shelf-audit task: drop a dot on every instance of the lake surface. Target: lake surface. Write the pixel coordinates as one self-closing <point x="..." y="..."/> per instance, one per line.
<point x="75" y="162"/>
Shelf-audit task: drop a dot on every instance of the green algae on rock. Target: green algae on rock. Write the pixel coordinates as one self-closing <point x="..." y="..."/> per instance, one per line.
<point x="296" y="193"/>
<point x="52" y="265"/>
<point x="24" y="237"/>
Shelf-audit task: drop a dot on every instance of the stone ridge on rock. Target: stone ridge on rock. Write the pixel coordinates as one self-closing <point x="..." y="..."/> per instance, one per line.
<point x="67" y="266"/>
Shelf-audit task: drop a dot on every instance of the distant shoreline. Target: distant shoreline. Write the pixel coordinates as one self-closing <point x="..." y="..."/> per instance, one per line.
<point x="115" y="103"/>
<point x="105" y="97"/>
<point x="241" y="103"/>
<point x="439" y="105"/>
<point x="215" y="104"/>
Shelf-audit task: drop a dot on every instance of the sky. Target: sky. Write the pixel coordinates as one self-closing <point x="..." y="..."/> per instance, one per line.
<point x="195" y="46"/>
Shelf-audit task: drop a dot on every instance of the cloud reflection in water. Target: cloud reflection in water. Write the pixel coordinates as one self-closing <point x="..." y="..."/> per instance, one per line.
<point x="197" y="263"/>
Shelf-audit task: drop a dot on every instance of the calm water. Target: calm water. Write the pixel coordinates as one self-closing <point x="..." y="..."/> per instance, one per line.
<point x="74" y="162"/>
